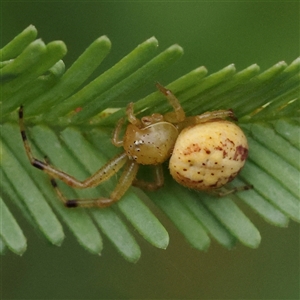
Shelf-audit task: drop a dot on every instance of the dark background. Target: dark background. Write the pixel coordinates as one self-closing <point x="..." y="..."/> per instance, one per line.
<point x="213" y="34"/>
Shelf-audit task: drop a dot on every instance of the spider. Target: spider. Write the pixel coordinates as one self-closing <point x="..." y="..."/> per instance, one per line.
<point x="206" y="152"/>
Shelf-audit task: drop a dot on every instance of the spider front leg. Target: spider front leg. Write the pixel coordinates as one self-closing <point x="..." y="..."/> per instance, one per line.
<point x="178" y="115"/>
<point x="131" y="115"/>
<point x="104" y="173"/>
<point x="123" y="185"/>
<point x="116" y="134"/>
<point x="101" y="175"/>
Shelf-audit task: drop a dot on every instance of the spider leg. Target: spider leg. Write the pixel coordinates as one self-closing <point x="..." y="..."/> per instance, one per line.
<point x="131" y="116"/>
<point x="123" y="185"/>
<point x="115" y="139"/>
<point x="152" y="186"/>
<point x="54" y="184"/>
<point x="104" y="173"/>
<point x="225" y="191"/>
<point x="208" y="116"/>
<point x="178" y="115"/>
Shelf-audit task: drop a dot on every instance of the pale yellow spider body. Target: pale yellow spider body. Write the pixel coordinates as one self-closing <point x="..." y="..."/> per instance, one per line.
<point x="206" y="152"/>
<point x="208" y="155"/>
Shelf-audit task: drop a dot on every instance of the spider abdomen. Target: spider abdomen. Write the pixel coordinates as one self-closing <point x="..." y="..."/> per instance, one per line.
<point x="208" y="155"/>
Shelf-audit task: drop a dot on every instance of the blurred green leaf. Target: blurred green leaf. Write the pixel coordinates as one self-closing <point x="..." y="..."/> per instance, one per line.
<point x="30" y="194"/>
<point x="18" y="44"/>
<point x="78" y="73"/>
<point x="94" y="90"/>
<point x="11" y="234"/>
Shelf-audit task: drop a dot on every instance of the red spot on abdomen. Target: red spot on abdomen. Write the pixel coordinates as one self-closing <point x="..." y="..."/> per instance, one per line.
<point x="241" y="153"/>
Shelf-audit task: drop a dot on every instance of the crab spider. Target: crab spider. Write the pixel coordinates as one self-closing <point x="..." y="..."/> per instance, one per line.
<point x="205" y="151"/>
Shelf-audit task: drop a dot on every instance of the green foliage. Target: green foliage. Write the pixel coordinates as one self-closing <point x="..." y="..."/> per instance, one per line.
<point x="78" y="142"/>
